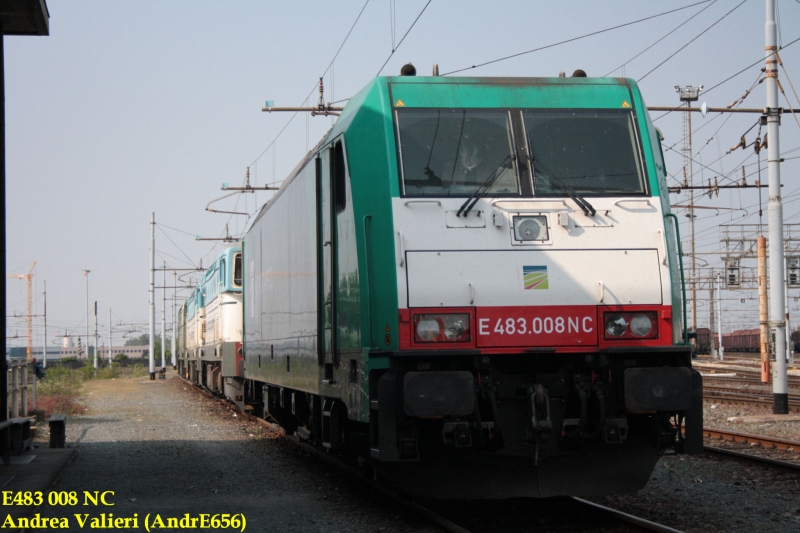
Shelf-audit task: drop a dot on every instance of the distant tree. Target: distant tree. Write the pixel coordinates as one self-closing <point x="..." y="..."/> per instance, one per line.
<point x="144" y="340"/>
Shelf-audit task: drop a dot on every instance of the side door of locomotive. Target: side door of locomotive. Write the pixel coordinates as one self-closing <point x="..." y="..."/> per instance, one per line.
<point x="330" y="195"/>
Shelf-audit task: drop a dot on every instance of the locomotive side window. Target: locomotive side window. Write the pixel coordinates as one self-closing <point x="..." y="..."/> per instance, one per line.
<point x="585" y="151"/>
<point x="237" y="270"/>
<point x="337" y="167"/>
<point x="456" y="152"/>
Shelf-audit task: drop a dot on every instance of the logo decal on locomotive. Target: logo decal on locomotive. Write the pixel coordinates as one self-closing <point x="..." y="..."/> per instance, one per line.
<point x="535" y="277"/>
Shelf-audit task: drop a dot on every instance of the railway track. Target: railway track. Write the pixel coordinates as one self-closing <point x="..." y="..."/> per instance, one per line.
<point x="625" y="520"/>
<point x="738" y="397"/>
<point x="739" y="381"/>
<point x="768" y="443"/>
<point x="746" y="438"/>
<point x="743" y="390"/>
<point x="632" y="522"/>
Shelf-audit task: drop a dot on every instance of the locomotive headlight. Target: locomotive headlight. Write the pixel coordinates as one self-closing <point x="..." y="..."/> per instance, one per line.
<point x="641" y="325"/>
<point x="428" y="329"/>
<point x="454" y="327"/>
<point x="616" y="325"/>
<point x="442" y="327"/>
<point x="530" y="228"/>
<point x="628" y="325"/>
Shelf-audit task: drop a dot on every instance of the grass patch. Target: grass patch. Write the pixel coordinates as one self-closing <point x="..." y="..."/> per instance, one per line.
<point x="60" y="390"/>
<point x="108" y="372"/>
<point x="59" y="381"/>
<point x="68" y="405"/>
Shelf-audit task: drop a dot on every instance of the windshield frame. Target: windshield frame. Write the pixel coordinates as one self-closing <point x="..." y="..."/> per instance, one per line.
<point x="638" y="153"/>
<point x="524" y="183"/>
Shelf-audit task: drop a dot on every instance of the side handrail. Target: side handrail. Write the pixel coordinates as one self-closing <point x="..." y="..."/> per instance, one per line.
<point x="367" y="222"/>
<point x="683" y="281"/>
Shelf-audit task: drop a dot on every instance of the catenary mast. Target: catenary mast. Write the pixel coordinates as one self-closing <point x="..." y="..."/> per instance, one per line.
<point x="777" y="320"/>
<point x="152" y="346"/>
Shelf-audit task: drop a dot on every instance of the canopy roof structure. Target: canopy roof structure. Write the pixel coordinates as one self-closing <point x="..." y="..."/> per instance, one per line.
<point x="25" y="17"/>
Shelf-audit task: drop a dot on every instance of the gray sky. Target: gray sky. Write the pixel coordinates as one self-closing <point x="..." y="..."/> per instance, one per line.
<point x="129" y="108"/>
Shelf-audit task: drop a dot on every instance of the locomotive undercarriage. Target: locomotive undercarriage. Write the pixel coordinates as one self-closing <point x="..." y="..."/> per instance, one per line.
<point x="214" y="368"/>
<point x="562" y="420"/>
<point x="472" y="426"/>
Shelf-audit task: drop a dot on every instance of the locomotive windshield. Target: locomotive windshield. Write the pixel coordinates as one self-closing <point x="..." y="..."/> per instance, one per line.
<point x="237" y="270"/>
<point x="456" y="152"/>
<point x="591" y="152"/>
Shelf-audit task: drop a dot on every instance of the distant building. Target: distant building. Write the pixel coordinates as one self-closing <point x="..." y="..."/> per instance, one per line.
<point x="132" y="352"/>
<point x="58" y="352"/>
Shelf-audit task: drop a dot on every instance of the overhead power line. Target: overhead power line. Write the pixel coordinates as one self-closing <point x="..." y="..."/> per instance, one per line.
<point x="404" y="37"/>
<point x="575" y="38"/>
<point x="272" y="143"/>
<point x="676" y="28"/>
<point x="706" y="91"/>
<point x="693" y="40"/>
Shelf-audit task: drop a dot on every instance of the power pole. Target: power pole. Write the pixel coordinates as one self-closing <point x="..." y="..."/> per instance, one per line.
<point x="780" y="385"/>
<point x="95" y="334"/>
<point x="174" y="320"/>
<point x="719" y="315"/>
<point x="44" y="353"/>
<point x="690" y="94"/>
<point x="711" y="321"/>
<point x="152" y="347"/>
<point x="86" y="275"/>
<point x="789" y="351"/>
<point x="110" y="335"/>
<point x="763" y="313"/>
<point x="164" y="317"/>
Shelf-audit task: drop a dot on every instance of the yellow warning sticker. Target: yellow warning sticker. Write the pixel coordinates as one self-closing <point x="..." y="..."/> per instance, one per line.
<point x="399" y="104"/>
<point x="625" y="104"/>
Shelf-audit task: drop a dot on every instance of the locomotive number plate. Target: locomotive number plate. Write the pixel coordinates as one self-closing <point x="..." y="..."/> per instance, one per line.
<point x="570" y="325"/>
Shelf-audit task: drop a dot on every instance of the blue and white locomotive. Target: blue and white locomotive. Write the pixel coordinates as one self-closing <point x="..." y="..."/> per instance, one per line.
<point x="210" y="332"/>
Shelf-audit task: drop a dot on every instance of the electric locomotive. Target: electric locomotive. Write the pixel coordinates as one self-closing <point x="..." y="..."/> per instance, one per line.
<point x="210" y="323"/>
<point x="473" y="285"/>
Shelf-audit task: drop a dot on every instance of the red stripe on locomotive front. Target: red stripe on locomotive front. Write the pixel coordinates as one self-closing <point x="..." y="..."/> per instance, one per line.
<point x="568" y="328"/>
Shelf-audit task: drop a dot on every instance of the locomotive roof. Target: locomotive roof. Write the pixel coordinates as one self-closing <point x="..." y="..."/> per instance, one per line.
<point x="386" y="93"/>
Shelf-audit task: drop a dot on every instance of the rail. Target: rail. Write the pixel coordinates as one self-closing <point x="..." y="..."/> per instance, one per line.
<point x="741" y="398"/>
<point x="753" y="440"/>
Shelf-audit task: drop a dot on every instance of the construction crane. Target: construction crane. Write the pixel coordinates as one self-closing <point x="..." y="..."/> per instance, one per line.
<point x="28" y="277"/>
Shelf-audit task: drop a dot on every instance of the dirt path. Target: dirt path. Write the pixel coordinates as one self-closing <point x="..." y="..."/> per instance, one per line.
<point x="164" y="448"/>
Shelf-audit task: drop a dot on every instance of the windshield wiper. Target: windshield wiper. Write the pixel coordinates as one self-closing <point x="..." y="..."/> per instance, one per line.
<point x="466" y="207"/>
<point x="582" y="202"/>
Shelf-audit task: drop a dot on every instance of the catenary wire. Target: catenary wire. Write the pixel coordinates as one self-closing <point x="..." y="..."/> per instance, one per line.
<point x="676" y="28"/>
<point x="176" y="246"/>
<point x="404" y="37"/>
<point x="693" y="40"/>
<point x="574" y="38"/>
<point x="706" y="91"/>
<point x="313" y="88"/>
